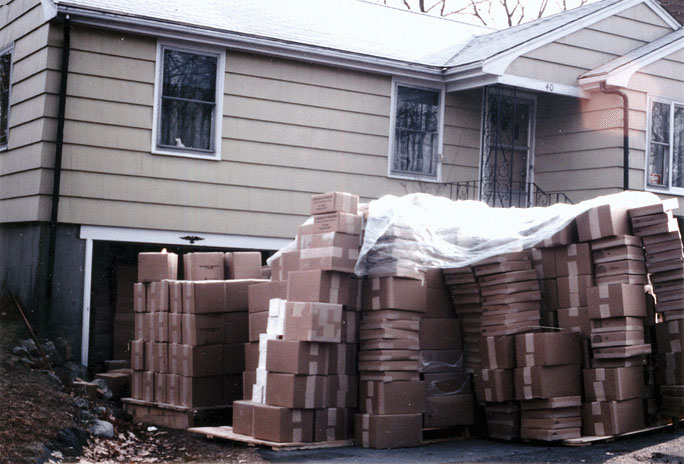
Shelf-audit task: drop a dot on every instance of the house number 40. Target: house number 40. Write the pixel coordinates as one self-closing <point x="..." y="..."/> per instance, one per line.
<point x="549" y="87"/>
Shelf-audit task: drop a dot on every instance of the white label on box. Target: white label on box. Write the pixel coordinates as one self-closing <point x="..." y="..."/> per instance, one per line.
<point x="529" y="359"/>
<point x="604" y="310"/>
<point x="673" y="327"/>
<point x="573" y="312"/>
<point x="527" y="375"/>
<point x="572" y="250"/>
<point x="675" y="346"/>
<point x="529" y="343"/>
<point x="572" y="268"/>
<point x="600" y="430"/>
<point x="600" y="374"/>
<point x="603" y="291"/>
<point x="594" y="225"/>
<point x="485" y="375"/>
<point x="527" y="392"/>
<point x="596" y="408"/>
<point x="598" y="391"/>
<point x="488" y="394"/>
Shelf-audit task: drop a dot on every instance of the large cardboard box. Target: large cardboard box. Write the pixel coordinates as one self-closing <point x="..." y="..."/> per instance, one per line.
<point x="175" y="296"/>
<point x="159" y="327"/>
<point x="548" y="349"/>
<point x="297" y="357"/>
<point x="670" y="336"/>
<point x="343" y="391"/>
<point x="203" y="329"/>
<point x="196" y="392"/>
<point x="331" y="251"/>
<point x="506" y="277"/>
<point x="259" y="295"/>
<point x="547" y="381"/>
<point x="446" y="411"/>
<point x="331" y="424"/>
<point x="619" y="338"/>
<point x="575" y="320"/>
<point x="313" y="322"/>
<point x="207" y="296"/>
<point x="618" y="253"/>
<point x="297" y="391"/>
<point x="625" y="266"/>
<point x="157" y="298"/>
<point x="388" y="431"/>
<point x="236" y="290"/>
<point x="203" y="266"/>
<point x="440" y="334"/>
<point x="494" y="385"/>
<point x="257" y="322"/>
<point x="614" y="384"/>
<point x="196" y="361"/>
<point x="616" y="300"/>
<point x="617" y="241"/>
<point x="617" y="324"/>
<point x="324" y="287"/>
<point x="612" y="417"/>
<point x="620" y="352"/>
<point x="154" y="267"/>
<point x="380" y="293"/>
<point x="572" y="290"/>
<point x="333" y="202"/>
<point x="243" y="417"/>
<point x="242" y="265"/>
<point x="502" y="268"/>
<point x="573" y="260"/>
<point x="497" y="352"/>
<point x="392" y="397"/>
<point x="509" y="288"/>
<point x="603" y="221"/>
<point x="345" y="223"/>
<point x="283" y="425"/>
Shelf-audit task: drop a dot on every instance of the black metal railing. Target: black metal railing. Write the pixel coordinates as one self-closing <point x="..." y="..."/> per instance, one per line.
<point x="505" y="194"/>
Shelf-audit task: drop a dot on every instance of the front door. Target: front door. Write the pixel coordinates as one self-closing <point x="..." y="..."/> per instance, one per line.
<point x="506" y="147"/>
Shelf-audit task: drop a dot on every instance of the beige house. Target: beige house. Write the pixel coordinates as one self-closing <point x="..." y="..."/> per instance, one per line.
<point x="128" y="125"/>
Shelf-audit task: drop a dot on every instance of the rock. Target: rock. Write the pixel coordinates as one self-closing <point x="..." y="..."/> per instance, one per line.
<point x="30" y="346"/>
<point x="50" y="352"/>
<point x="101" y="428"/>
<point x="81" y="403"/>
<point x="100" y="410"/>
<point x="73" y="438"/>
<point x="73" y="371"/>
<point x="87" y="416"/>
<point x="20" y="351"/>
<point x="104" y="387"/>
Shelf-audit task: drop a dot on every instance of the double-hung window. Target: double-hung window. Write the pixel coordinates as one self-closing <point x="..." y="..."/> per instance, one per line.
<point x="416" y="132"/>
<point x="5" y="84"/>
<point x="665" y="161"/>
<point x="189" y="91"/>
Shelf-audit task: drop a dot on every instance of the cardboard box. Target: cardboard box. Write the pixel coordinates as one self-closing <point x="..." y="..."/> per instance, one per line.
<point x="260" y="294"/>
<point x="440" y="334"/>
<point x="446" y="411"/>
<point x="324" y="287"/>
<point x="296" y="357"/>
<point x="195" y="392"/>
<point x="512" y="298"/>
<point x="436" y="361"/>
<point x="342" y="358"/>
<point x="619" y="253"/>
<point x="497" y="352"/>
<point x="139" y="298"/>
<point x="258" y="323"/>
<point x="575" y="320"/>
<point x="314" y="322"/>
<point x="392" y="397"/>
<point x="369" y="325"/>
<point x="447" y="383"/>
<point x="509" y="288"/>
<point x="664" y="256"/>
<point x="617" y="300"/>
<point x="236" y="292"/>
<point x="565" y="236"/>
<point x="655" y="208"/>
<point x="160" y="388"/>
<point x="389" y="344"/>
<point x="160" y="327"/>
<point x="296" y="391"/>
<point x="233" y="358"/>
<point x="603" y="221"/>
<point x="565" y="433"/>
<point x="148" y="386"/>
<point x="203" y="329"/>
<point x="438" y="303"/>
<point x="547" y="349"/>
<point x="612" y="417"/>
<point x="332" y="251"/>
<point x="331" y="424"/>
<point x="196" y="361"/>
<point x="175" y="296"/>
<point x="617" y="241"/>
<point x="175" y="328"/>
<point x="529" y="317"/>
<point x="388" y="431"/>
<point x="343" y="391"/>
<point x="573" y="260"/>
<point x="251" y="356"/>
<point x="237" y="328"/>
<point x="627" y="279"/>
<point x="385" y="366"/>
<point x="334" y="202"/>
<point x="572" y="290"/>
<point x="137" y="355"/>
<point x="547" y="381"/>
<point x="283" y="425"/>
<point x="544" y="262"/>
<point x="614" y="384"/>
<point x="675" y="264"/>
<point x="242" y="265"/>
<point x="380" y="293"/>
<point x="153" y="267"/>
<point x="345" y="223"/>
<point x="502" y="268"/>
<point x="549" y="291"/>
<point x="157" y="297"/>
<point x="673" y="242"/>
<point x="670" y="336"/>
<point x="617" y="324"/>
<point x="173" y="389"/>
<point x="625" y="266"/>
<point x="389" y="376"/>
<point x="523" y="255"/>
<point x="494" y="385"/>
<point x="243" y="418"/>
<point x="506" y="277"/>
<point x="203" y="266"/>
<point x="559" y="402"/>
<point x="620" y="338"/>
<point x="201" y="297"/>
<point x="661" y="228"/>
<point x="670" y="368"/>
<point x="621" y="352"/>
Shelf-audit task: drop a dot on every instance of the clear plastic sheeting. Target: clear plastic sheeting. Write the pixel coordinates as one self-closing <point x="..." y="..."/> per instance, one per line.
<point x="421" y="231"/>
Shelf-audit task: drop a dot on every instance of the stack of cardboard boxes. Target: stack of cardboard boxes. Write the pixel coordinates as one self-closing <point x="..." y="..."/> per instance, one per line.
<point x="189" y="346"/>
<point x="303" y="331"/>
<point x="466" y="301"/>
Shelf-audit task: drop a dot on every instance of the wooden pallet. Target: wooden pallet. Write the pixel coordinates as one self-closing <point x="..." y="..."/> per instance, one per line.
<point x="227" y="433"/>
<point x="177" y="417"/>
<point x="585" y="441"/>
<point x="445" y="434"/>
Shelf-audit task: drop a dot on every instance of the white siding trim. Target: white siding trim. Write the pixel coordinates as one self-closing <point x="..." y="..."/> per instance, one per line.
<point x="167" y="237"/>
<point x="87" y="281"/>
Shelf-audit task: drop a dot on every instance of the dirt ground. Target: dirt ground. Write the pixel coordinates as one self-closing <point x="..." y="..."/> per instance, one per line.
<point x="35" y="413"/>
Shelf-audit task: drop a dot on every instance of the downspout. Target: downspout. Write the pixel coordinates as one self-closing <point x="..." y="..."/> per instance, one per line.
<point x="57" y="170"/>
<point x="625" y="132"/>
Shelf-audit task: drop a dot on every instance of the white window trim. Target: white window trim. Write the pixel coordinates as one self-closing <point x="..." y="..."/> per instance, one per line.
<point x="679" y="191"/>
<point x="218" y="114"/>
<point x="417" y="84"/>
<point x="8" y="49"/>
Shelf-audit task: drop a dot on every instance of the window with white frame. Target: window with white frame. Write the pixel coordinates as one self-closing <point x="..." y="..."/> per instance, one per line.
<point x="189" y="91"/>
<point x="415" y="133"/>
<point x="5" y="84"/>
<point x="665" y="161"/>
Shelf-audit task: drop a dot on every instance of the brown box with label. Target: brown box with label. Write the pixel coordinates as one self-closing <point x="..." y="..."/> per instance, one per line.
<point x="446" y="411"/>
<point x="616" y="300"/>
<point x="207" y="296"/>
<point x="380" y="293"/>
<point x="203" y="329"/>
<point x="333" y="202"/>
<point x="331" y="424"/>
<point x="548" y="349"/>
<point x="195" y="392"/>
<point x="324" y="287"/>
<point x="283" y="425"/>
<point x="575" y="320"/>
<point x="670" y="336"/>
<point x="237" y="327"/>
<point x="157" y="298"/>
<point x="203" y="266"/>
<point x="242" y="265"/>
<point x="297" y="357"/>
<point x="494" y="385"/>
<point x="296" y="391"/>
<point x="259" y="295"/>
<point x="313" y="322"/>
<point x="388" y="431"/>
<point x="345" y="223"/>
<point x="574" y="259"/>
<point x="613" y="384"/>
<point x="603" y="221"/>
<point x="572" y="290"/>
<point x="547" y="381"/>
<point x="139" y="298"/>
<point x="153" y="267"/>
<point x="440" y="334"/>
<point x="196" y="361"/>
<point x="497" y="352"/>
<point x="612" y="417"/>
<point x="342" y="391"/>
<point x="342" y="358"/>
<point x="243" y="417"/>
<point x="392" y="397"/>
<point x="332" y="251"/>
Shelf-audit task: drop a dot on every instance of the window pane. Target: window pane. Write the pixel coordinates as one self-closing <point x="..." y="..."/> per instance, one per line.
<point x="678" y="148"/>
<point x="189" y="76"/>
<point x="5" y="61"/>
<point x="186" y="124"/>
<point x="660" y="123"/>
<point x="659" y="152"/>
<point x="416" y="131"/>
<point x="658" y="172"/>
